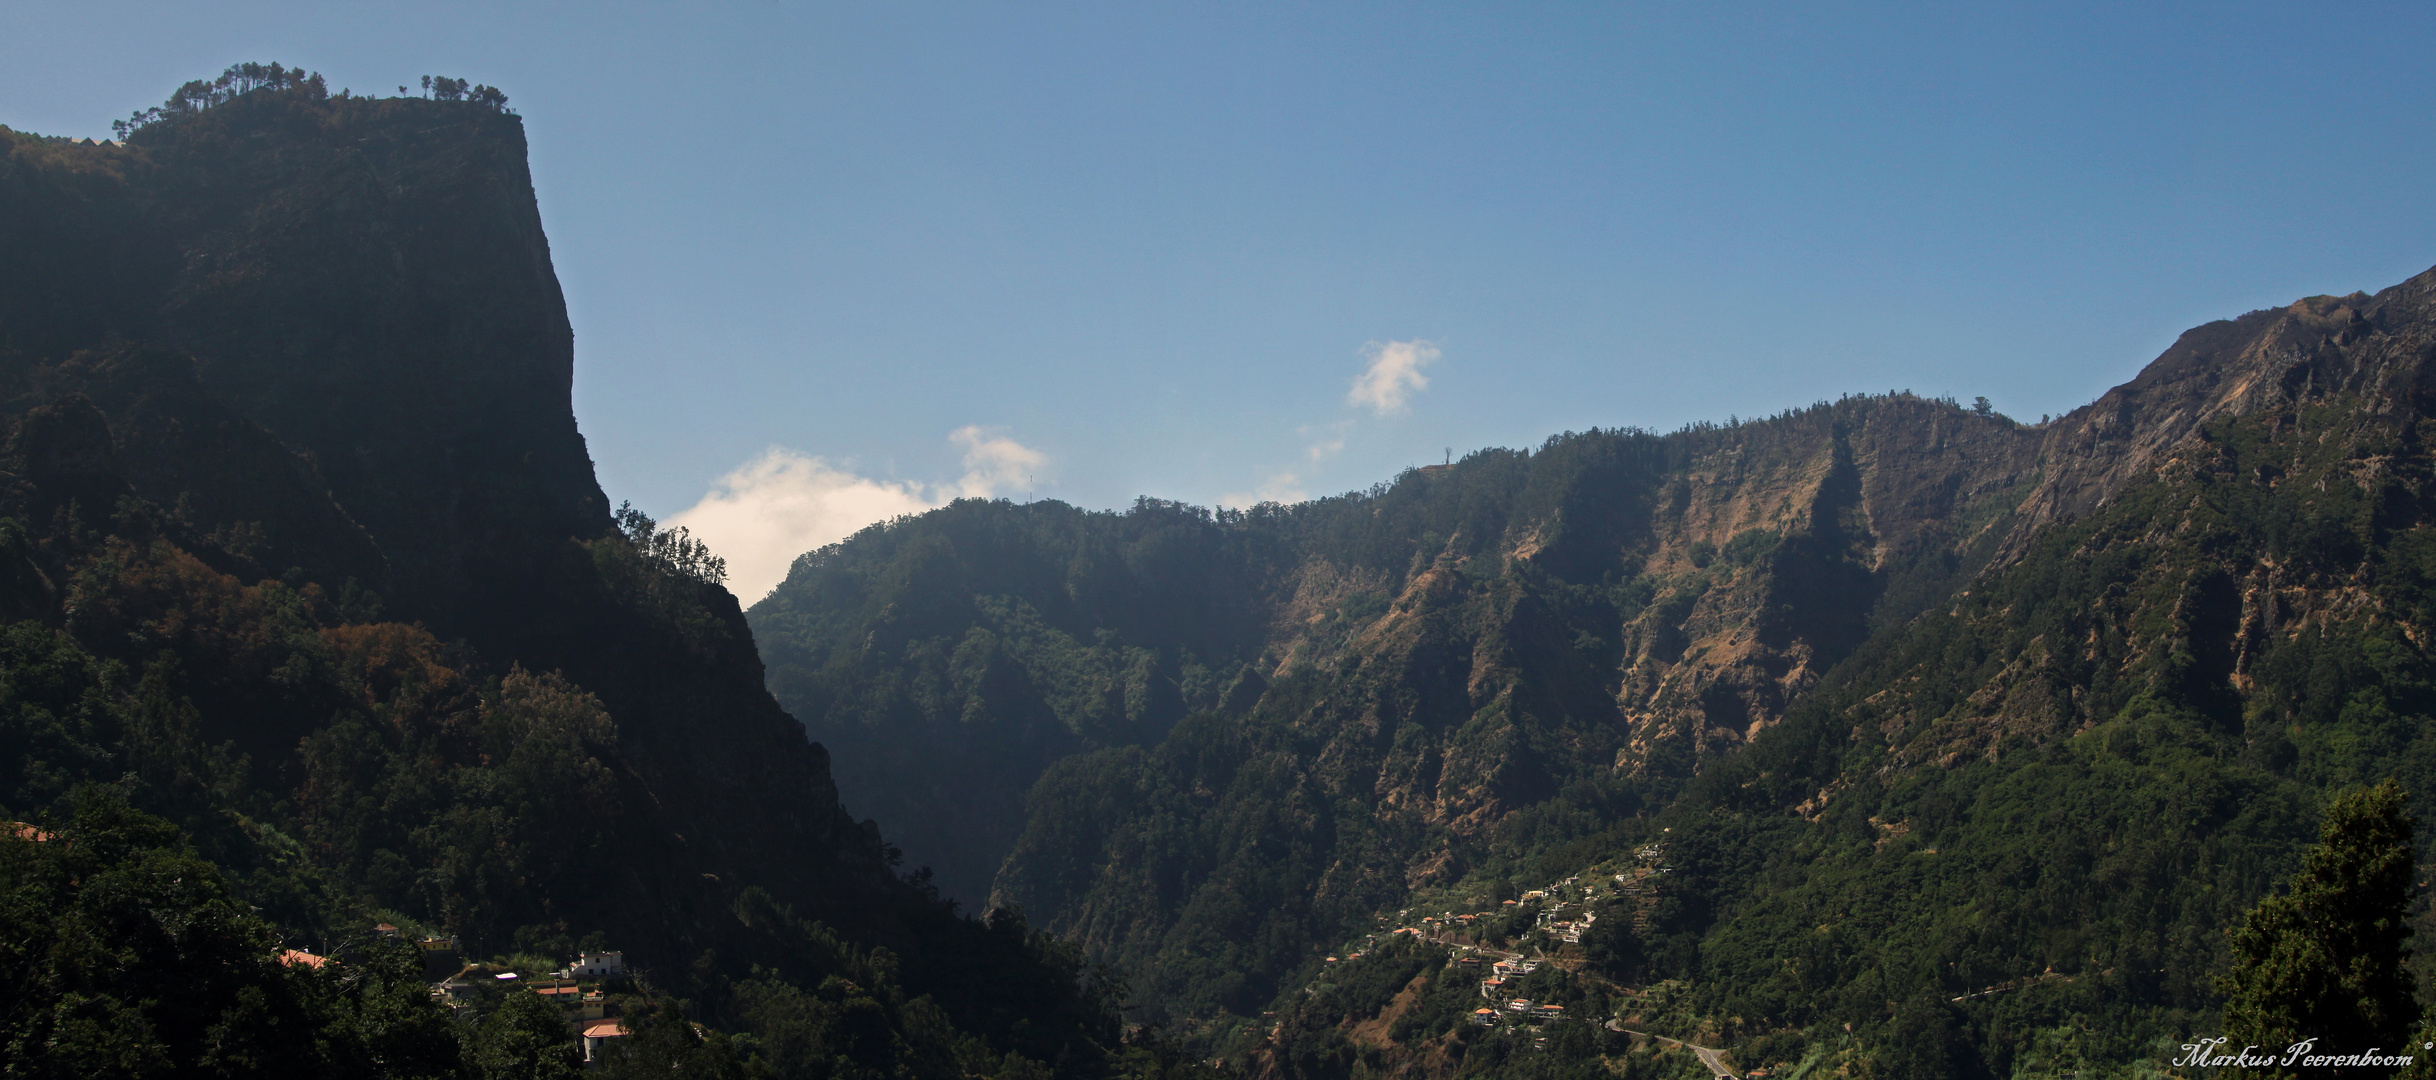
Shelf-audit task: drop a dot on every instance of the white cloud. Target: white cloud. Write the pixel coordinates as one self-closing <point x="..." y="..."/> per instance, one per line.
<point x="785" y="502"/>
<point x="1284" y="487"/>
<point x="1389" y="379"/>
<point x="995" y="463"/>
<point x="1326" y="440"/>
<point x="1393" y="377"/>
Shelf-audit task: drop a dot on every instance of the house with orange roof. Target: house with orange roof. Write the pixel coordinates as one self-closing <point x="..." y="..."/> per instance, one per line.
<point x="597" y="1035"/>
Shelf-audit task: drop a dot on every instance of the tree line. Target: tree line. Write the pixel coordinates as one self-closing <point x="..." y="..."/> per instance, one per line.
<point x="242" y="79"/>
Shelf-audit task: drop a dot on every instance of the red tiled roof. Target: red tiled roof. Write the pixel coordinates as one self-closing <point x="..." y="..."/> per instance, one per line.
<point x="23" y="831"/>
<point x="551" y="991"/>
<point x="605" y="1029"/>
<point x="293" y="957"/>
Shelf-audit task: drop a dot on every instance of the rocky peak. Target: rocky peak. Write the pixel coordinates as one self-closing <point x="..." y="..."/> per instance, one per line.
<point x="2315" y="350"/>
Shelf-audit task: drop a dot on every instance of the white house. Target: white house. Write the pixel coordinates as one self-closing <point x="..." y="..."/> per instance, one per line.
<point x="599" y="965"/>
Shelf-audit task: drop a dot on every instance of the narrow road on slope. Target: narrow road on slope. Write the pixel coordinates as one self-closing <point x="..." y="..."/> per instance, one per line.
<point x="1714" y="1059"/>
<point x="1709" y="1056"/>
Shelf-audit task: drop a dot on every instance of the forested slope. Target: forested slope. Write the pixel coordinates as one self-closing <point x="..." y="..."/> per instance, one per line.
<point x="1478" y="635"/>
<point x="301" y="551"/>
<point x="1917" y="699"/>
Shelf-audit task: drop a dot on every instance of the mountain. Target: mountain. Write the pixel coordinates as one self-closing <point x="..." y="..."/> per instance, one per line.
<point x="1888" y="736"/>
<point x="1478" y="635"/>
<point x="1913" y="700"/>
<point x="303" y="553"/>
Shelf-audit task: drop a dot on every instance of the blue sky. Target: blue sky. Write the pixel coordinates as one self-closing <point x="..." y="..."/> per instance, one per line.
<point x="1095" y="251"/>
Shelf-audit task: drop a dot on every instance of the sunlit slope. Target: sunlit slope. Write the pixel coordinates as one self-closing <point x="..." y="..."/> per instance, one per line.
<point x="2007" y="835"/>
<point x="1250" y="730"/>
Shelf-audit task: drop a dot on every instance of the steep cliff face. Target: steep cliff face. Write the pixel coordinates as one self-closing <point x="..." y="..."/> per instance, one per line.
<point x="2046" y="798"/>
<point x="369" y="282"/>
<point x="291" y="475"/>
<point x="1425" y="661"/>
<point x="1776" y="551"/>
<point x="2316" y="349"/>
<point x="1513" y="653"/>
<point x="2279" y="465"/>
<point x="325" y="334"/>
<point x="1683" y="588"/>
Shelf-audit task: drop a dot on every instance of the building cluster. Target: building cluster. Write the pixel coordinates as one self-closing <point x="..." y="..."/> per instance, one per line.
<point x="1563" y="909"/>
<point x="579" y="989"/>
<point x="1561" y="899"/>
<point x="1518" y="1010"/>
<point x="1493" y="984"/>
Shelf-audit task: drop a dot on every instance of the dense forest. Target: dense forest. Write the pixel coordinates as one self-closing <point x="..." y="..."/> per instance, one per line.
<point x="318" y="639"/>
<point x="1955" y="745"/>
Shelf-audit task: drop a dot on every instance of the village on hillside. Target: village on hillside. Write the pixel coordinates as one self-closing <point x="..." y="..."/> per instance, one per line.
<point x="1502" y="945"/>
<point x="584" y="990"/>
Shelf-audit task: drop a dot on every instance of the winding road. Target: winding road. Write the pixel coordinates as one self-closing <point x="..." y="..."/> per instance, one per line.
<point x="1713" y="1058"/>
<point x="1709" y="1056"/>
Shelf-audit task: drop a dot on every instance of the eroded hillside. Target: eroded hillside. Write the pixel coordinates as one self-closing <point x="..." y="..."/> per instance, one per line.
<point x="1610" y="601"/>
<point x="1526" y="660"/>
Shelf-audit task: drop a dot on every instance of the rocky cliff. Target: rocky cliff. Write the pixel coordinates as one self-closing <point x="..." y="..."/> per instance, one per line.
<point x="292" y="478"/>
<point x="1612" y="600"/>
<point x="328" y="335"/>
<point x="1526" y="660"/>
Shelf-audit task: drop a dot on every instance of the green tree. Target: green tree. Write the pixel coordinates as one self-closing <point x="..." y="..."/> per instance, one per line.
<point x="526" y="1039"/>
<point x="2325" y="959"/>
<point x="389" y="1021"/>
<point x="660" y="1043"/>
<point x="122" y="953"/>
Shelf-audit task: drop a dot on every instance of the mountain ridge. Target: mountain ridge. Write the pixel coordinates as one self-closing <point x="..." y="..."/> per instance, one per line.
<point x="1484" y="666"/>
